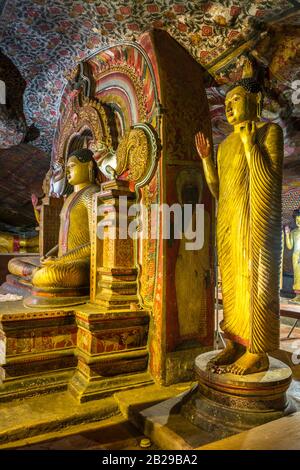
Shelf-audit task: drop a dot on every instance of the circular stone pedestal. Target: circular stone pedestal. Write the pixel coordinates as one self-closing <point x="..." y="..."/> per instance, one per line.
<point x="226" y="404"/>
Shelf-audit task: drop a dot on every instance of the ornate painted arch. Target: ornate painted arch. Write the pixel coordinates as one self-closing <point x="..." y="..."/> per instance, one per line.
<point x="91" y="116"/>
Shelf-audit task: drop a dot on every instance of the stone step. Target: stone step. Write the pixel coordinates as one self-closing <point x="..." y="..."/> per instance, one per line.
<point x="46" y="414"/>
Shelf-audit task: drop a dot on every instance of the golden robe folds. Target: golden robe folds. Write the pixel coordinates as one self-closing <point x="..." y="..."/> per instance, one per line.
<point x="249" y="237"/>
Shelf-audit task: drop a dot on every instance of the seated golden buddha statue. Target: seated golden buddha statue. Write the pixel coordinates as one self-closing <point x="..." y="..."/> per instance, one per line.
<point x="65" y="279"/>
<point x="21" y="268"/>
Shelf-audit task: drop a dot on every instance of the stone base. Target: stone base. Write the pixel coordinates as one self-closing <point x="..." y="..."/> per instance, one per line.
<point x="37" y="350"/>
<point x="111" y="350"/>
<point x="93" y="352"/>
<point x="227" y="404"/>
<point x="83" y="390"/>
<point x="56" y="297"/>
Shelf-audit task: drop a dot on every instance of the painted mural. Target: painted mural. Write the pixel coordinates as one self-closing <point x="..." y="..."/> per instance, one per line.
<point x="46" y="39"/>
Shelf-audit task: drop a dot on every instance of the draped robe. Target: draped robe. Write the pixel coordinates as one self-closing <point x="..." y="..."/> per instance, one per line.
<point x="72" y="267"/>
<point x="249" y="237"/>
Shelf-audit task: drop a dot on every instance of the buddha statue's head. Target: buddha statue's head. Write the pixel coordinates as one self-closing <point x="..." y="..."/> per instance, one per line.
<point x="81" y="167"/>
<point x="296" y="215"/>
<point x="243" y="102"/>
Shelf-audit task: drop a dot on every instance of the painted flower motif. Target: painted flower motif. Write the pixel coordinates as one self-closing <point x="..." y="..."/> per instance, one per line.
<point x="44" y="57"/>
<point x="152" y="8"/>
<point x="55" y="10"/>
<point x="158" y="24"/>
<point x="204" y="55"/>
<point x="109" y="25"/>
<point x="206" y="30"/>
<point x="181" y="27"/>
<point x="119" y="17"/>
<point x="63" y="52"/>
<point x="22" y="29"/>
<point x="76" y="37"/>
<point x="32" y="13"/>
<point x="65" y="24"/>
<point x="87" y="24"/>
<point x="34" y="44"/>
<point x="93" y="41"/>
<point x="233" y="34"/>
<point x="133" y="26"/>
<point x="78" y="9"/>
<point x="220" y="20"/>
<point x="101" y="10"/>
<point x="44" y="27"/>
<point x="195" y="39"/>
<point x="235" y="10"/>
<point x="170" y="15"/>
<point x="58" y="83"/>
<point x="125" y="10"/>
<point x="179" y="8"/>
<point x="50" y="45"/>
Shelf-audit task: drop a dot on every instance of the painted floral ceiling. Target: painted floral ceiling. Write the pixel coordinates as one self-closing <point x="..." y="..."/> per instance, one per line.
<point x="45" y="39"/>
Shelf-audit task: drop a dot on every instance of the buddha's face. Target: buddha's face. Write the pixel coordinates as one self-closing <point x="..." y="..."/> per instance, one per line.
<point x="297" y="220"/>
<point x="240" y="106"/>
<point x="77" y="172"/>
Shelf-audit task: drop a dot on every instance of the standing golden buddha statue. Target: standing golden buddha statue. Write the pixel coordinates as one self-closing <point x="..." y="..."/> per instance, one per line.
<point x="247" y="184"/>
<point x="292" y="240"/>
<point x="63" y="279"/>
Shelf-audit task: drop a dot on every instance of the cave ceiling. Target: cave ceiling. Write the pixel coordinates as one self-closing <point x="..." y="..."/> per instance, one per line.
<point x="45" y="39"/>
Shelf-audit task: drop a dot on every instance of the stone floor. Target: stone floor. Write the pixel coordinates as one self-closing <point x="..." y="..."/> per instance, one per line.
<point x="118" y="433"/>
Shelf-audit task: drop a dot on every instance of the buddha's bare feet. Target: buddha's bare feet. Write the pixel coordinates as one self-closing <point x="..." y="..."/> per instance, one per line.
<point x="227" y="356"/>
<point x="249" y="363"/>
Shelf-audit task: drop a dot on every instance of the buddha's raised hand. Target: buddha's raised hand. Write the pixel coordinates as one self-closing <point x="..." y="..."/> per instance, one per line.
<point x="202" y="145"/>
<point x="248" y="134"/>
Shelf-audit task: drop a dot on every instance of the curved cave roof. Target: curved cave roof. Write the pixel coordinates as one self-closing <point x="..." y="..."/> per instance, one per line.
<point x="45" y="39"/>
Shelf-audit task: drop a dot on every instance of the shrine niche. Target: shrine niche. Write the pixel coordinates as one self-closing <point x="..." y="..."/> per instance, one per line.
<point x="127" y="106"/>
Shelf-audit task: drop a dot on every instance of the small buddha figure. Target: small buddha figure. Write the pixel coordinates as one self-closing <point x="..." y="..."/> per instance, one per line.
<point x="37" y="201"/>
<point x="292" y="240"/>
<point x="247" y="184"/>
<point x="70" y="269"/>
